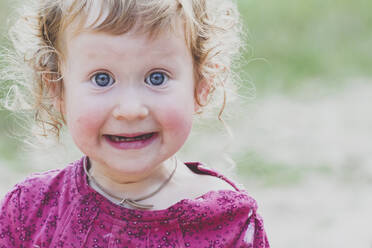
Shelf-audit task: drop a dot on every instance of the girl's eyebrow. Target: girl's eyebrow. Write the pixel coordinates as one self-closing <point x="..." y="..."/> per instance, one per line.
<point x="159" y="54"/>
<point x="94" y="48"/>
<point x="166" y="53"/>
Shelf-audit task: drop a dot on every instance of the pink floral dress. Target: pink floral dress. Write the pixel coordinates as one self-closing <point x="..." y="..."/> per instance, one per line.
<point x="59" y="209"/>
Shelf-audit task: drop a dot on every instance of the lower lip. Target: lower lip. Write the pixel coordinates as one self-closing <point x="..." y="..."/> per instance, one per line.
<point x="132" y="145"/>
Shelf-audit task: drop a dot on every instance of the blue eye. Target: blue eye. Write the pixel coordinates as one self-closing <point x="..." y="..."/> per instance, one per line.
<point x="102" y="79"/>
<point x="156" y="78"/>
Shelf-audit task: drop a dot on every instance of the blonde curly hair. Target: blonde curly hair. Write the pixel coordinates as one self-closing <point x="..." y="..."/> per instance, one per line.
<point x="212" y="33"/>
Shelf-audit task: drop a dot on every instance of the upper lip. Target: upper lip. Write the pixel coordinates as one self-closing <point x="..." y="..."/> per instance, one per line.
<point x="131" y="135"/>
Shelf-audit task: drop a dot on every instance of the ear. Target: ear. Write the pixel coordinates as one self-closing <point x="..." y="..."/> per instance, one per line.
<point x="202" y="91"/>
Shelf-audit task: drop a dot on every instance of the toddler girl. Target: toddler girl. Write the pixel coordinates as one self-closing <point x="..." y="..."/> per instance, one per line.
<point x="126" y="78"/>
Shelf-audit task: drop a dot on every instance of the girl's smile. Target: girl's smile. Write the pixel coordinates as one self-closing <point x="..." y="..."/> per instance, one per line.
<point x="128" y="99"/>
<point x="131" y="141"/>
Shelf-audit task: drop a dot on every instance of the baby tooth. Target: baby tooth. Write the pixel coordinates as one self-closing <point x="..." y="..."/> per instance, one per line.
<point x="128" y="139"/>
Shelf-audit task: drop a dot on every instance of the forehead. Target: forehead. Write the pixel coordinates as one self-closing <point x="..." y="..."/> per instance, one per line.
<point x="131" y="44"/>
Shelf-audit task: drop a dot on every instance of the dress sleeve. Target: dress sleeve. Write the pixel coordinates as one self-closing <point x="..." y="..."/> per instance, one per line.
<point x="253" y="235"/>
<point x="11" y="220"/>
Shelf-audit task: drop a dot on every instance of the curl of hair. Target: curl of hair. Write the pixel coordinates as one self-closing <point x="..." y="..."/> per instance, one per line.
<point x="212" y="33"/>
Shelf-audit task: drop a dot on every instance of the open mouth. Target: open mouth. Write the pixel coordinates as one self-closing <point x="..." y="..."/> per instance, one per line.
<point x="131" y="141"/>
<point x="119" y="139"/>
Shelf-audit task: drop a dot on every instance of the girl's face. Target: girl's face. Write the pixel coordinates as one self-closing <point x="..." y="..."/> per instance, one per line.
<point x="128" y="100"/>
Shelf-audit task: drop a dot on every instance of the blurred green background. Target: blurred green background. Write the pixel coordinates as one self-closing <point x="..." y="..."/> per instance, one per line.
<point x="8" y="145"/>
<point x="302" y="40"/>
<point x="303" y="139"/>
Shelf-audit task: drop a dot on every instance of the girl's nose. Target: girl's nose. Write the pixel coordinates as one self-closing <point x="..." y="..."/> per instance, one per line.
<point x="130" y="108"/>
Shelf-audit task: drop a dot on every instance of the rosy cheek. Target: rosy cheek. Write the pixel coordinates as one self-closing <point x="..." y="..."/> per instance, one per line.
<point x="177" y="112"/>
<point x="178" y="120"/>
<point x="88" y="122"/>
<point x="84" y="124"/>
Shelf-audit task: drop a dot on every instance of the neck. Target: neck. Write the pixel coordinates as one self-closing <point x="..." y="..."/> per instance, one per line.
<point x="131" y="187"/>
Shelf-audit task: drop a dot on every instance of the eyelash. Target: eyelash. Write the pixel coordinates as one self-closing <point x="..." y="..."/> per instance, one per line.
<point x="147" y="79"/>
<point x="94" y="78"/>
<point x="164" y="79"/>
